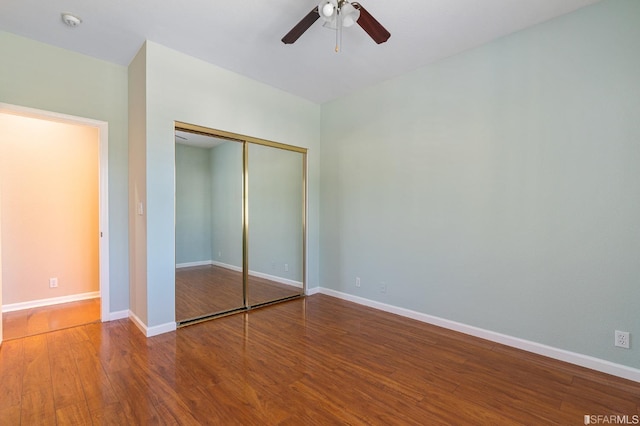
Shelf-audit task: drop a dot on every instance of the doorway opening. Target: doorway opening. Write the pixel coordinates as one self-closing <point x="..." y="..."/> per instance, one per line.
<point x="54" y="202"/>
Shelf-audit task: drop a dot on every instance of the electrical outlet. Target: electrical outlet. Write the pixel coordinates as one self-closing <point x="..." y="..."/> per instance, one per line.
<point x="357" y="281"/>
<point x="383" y="287"/>
<point x="622" y="339"/>
<point x="286" y="267"/>
<point x="53" y="282"/>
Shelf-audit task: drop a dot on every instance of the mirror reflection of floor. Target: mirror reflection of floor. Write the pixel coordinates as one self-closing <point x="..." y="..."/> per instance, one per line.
<point x="29" y="322"/>
<point x="204" y="290"/>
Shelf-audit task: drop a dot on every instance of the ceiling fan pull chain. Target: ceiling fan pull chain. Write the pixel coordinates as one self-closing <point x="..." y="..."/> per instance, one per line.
<point x="339" y="30"/>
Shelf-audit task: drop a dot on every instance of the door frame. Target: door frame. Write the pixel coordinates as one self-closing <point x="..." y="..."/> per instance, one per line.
<point x="103" y="189"/>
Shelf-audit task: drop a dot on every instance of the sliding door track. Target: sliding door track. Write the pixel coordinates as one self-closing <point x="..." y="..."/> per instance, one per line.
<point x="203" y="318"/>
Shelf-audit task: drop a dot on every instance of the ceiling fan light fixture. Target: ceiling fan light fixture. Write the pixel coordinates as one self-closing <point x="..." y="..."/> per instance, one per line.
<point x="349" y="14"/>
<point x="327" y="9"/>
<point x="331" y="24"/>
<point x="333" y="11"/>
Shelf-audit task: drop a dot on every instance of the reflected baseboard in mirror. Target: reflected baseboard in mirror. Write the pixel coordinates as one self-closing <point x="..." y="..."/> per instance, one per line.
<point x="209" y="290"/>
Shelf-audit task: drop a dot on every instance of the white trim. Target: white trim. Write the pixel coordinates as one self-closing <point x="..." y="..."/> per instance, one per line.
<point x="275" y="278"/>
<point x="190" y="264"/>
<point x="138" y="322"/>
<point x="103" y="170"/>
<point x="227" y="266"/>
<point x="312" y="291"/>
<point x="280" y="280"/>
<point x="50" y="115"/>
<point x="161" y="329"/>
<point x="51" y="301"/>
<point x="114" y="316"/>
<point x="105" y="287"/>
<point x="152" y="331"/>
<point x="305" y="218"/>
<point x="586" y="361"/>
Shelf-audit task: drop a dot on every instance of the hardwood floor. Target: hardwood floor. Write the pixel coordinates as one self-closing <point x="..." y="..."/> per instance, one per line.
<point x="204" y="290"/>
<point x="312" y="361"/>
<point x="28" y="322"/>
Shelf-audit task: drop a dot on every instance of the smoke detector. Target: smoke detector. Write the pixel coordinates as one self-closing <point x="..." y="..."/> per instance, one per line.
<point x="71" y="20"/>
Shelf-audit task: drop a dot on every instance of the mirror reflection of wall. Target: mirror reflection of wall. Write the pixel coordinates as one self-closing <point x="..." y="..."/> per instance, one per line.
<point x="226" y="217"/>
<point x="193" y="205"/>
<point x="208" y="225"/>
<point x="210" y="278"/>
<point x="275" y="217"/>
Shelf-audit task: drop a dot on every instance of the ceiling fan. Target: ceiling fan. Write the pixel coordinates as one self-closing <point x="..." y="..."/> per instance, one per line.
<point x="337" y="14"/>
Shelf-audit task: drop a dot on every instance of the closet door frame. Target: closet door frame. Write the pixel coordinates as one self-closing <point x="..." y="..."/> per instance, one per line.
<point x="247" y="141"/>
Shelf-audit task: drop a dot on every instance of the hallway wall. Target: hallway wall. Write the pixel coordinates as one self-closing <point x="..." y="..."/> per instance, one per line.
<point x="49" y="174"/>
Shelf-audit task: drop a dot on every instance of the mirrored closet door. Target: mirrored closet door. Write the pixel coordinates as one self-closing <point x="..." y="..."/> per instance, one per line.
<point x="208" y="225"/>
<point x="276" y="241"/>
<point x="240" y="222"/>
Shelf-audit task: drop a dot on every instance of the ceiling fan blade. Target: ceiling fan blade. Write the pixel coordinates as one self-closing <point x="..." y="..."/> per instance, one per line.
<point x="378" y="33"/>
<point x="301" y="26"/>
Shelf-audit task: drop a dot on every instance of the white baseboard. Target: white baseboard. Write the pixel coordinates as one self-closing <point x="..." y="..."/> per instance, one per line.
<point x="515" y="342"/>
<point x="51" y="301"/>
<point x="226" y="266"/>
<point x="138" y="322"/>
<point x="312" y="291"/>
<point x="152" y="331"/>
<point x="275" y="278"/>
<point x="190" y="264"/>
<point x="113" y="316"/>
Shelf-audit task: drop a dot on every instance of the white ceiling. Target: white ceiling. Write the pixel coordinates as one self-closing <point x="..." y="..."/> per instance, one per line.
<point x="197" y="140"/>
<point x="244" y="36"/>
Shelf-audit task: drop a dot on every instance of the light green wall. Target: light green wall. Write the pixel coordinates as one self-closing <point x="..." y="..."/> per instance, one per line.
<point x="275" y="212"/>
<point x="226" y="220"/>
<point x="137" y="91"/>
<point x="40" y="76"/>
<point x="182" y="88"/>
<point x="193" y="204"/>
<point x="499" y="188"/>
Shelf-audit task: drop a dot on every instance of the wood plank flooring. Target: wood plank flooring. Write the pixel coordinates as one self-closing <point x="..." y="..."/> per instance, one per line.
<point x="205" y="290"/>
<point x="29" y="322"/>
<point x="312" y="361"/>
